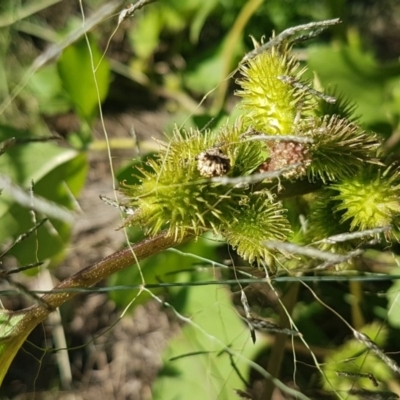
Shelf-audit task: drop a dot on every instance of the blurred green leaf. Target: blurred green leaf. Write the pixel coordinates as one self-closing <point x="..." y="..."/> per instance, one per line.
<point x="167" y="17"/>
<point x="46" y="87"/>
<point x="196" y="366"/>
<point x="393" y="296"/>
<point x="13" y="333"/>
<point x="30" y="161"/>
<point x="205" y="9"/>
<point x="13" y="12"/>
<point x="354" y="357"/>
<point x="145" y="38"/>
<point x="58" y="175"/>
<point x="207" y="73"/>
<point x="358" y="76"/>
<point x="76" y="72"/>
<point x="305" y="315"/>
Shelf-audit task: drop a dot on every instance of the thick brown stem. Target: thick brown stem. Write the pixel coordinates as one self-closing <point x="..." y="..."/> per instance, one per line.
<point x="95" y="273"/>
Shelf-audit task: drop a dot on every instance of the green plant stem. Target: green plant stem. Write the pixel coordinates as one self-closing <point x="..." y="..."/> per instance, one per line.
<point x="277" y="352"/>
<point x="228" y="52"/>
<point x="356" y="301"/>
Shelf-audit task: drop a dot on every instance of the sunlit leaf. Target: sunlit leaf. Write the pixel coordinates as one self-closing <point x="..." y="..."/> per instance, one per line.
<point x="46" y="87"/>
<point x="76" y="71"/>
<point x="58" y="175"/>
<point x="13" y="333"/>
<point x="196" y="365"/>
<point x="393" y="296"/>
<point x="358" y="76"/>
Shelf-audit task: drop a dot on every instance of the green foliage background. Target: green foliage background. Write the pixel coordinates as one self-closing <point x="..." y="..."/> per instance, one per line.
<point x="178" y="51"/>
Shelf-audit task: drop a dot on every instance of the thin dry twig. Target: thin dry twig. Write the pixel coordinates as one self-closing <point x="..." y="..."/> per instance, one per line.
<point x="366" y="341"/>
<point x="130" y="10"/>
<point x="287" y="33"/>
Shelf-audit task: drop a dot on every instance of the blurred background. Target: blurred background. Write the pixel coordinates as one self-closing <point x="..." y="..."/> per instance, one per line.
<point x="166" y="65"/>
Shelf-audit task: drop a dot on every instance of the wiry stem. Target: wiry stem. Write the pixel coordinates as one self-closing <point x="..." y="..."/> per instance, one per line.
<point x="93" y="274"/>
<point x="278" y="350"/>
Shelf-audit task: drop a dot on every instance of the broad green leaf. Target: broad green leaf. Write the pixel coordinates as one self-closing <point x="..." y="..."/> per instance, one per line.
<point x="145" y="37"/>
<point x="358" y="76"/>
<point x="393" y="296"/>
<point x="58" y="175"/>
<point x="207" y="73"/>
<point x="46" y="87"/>
<point x="30" y="161"/>
<point x="196" y="365"/>
<point x="206" y="7"/>
<point x="305" y="314"/>
<point x="354" y="357"/>
<point x="186" y="7"/>
<point x="76" y="72"/>
<point x="59" y="186"/>
<point x="167" y="17"/>
<point x="13" y="333"/>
